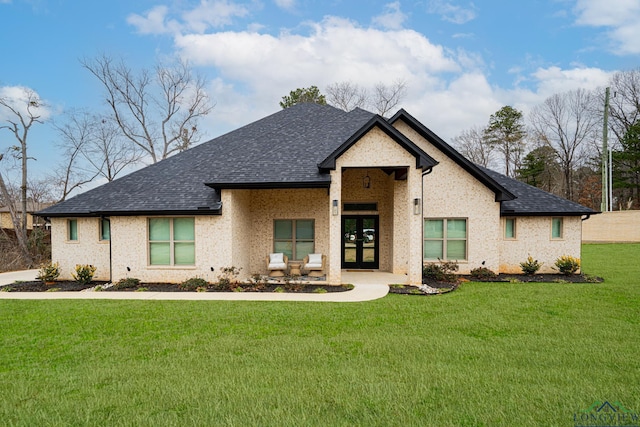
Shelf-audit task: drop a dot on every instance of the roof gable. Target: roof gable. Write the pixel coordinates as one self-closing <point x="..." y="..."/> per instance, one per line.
<point x="423" y="160"/>
<point x="502" y="193"/>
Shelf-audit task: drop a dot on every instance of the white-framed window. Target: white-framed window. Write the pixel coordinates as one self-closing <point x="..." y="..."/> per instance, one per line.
<point x="557" y="228"/>
<point x="172" y="241"/>
<point x="510" y="228"/>
<point x="105" y="229"/>
<point x="72" y="230"/>
<point x="445" y="239"/>
<point x="294" y="237"/>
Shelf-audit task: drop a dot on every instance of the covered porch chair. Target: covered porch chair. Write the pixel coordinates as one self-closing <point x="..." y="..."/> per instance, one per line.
<point x="277" y="264"/>
<point x="314" y="264"/>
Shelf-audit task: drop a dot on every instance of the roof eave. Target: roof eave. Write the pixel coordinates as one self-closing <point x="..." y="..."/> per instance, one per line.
<point x="502" y="194"/>
<point x="423" y="160"/>
<point x="268" y="185"/>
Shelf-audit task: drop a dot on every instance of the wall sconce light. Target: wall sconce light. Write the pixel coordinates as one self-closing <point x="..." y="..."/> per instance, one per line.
<point x="335" y="207"/>
<point x="416" y="206"/>
<point x="366" y="181"/>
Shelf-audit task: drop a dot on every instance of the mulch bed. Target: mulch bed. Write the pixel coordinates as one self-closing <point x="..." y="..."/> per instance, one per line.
<point x="551" y="278"/>
<point x="445" y="287"/>
<point x="72" y="286"/>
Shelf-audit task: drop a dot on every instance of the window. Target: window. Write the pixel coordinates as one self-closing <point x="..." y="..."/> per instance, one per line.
<point x="105" y="229"/>
<point x="445" y="239"/>
<point x="172" y="241"/>
<point x="556" y="228"/>
<point x="294" y="237"/>
<point x="509" y="228"/>
<point x="72" y="228"/>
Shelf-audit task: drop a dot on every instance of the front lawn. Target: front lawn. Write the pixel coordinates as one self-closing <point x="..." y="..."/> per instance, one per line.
<point x="508" y="354"/>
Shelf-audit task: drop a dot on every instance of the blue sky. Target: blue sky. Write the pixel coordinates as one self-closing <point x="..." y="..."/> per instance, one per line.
<point x="461" y="60"/>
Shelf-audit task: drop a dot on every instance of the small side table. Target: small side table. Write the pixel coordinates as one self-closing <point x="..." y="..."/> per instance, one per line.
<point x="294" y="268"/>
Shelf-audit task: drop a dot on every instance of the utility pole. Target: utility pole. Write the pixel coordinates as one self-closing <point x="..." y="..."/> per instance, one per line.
<point x="604" y="206"/>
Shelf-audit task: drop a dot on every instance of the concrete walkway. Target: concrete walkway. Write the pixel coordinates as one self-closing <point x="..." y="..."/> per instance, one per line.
<point x="368" y="286"/>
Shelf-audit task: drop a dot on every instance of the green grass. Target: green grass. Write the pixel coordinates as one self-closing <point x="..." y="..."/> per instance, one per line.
<point x="488" y="354"/>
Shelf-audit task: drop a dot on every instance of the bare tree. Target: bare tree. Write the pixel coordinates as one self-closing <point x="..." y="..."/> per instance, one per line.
<point x="566" y="123"/>
<point x="23" y="111"/>
<point x="387" y="97"/>
<point x="75" y="136"/>
<point x="158" y="111"/>
<point x="624" y="107"/>
<point x="472" y="145"/>
<point x="347" y="96"/>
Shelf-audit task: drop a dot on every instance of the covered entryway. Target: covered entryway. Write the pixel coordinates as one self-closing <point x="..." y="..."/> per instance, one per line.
<point x="360" y="247"/>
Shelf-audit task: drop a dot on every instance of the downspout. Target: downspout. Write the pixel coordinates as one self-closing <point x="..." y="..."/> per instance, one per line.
<point x="108" y="219"/>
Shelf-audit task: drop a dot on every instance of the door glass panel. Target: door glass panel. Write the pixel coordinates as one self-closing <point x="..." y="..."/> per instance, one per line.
<point x="368" y="240"/>
<point x="350" y="236"/>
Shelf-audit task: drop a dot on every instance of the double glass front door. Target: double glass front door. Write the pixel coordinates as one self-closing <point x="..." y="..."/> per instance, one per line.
<point x="360" y="242"/>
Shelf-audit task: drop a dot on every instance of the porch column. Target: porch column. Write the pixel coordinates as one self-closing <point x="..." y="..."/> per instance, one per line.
<point x="334" y="258"/>
<point x="414" y="194"/>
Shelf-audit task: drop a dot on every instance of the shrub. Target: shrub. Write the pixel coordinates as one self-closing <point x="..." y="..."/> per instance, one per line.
<point x="193" y="284"/>
<point x="49" y="272"/>
<point x="84" y="273"/>
<point x="530" y="266"/>
<point x="567" y="264"/>
<point x="482" y="273"/>
<point x="228" y="280"/>
<point x="127" y="283"/>
<point x="440" y="272"/>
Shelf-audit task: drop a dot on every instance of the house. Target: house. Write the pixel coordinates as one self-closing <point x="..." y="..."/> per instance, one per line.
<point x="33" y="221"/>
<point x="365" y="191"/>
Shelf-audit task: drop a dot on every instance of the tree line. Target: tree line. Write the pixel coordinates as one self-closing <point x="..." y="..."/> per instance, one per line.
<point x="558" y="146"/>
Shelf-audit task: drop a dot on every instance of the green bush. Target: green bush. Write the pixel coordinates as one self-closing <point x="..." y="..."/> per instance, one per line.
<point x="568" y="265"/>
<point x="193" y="284"/>
<point x="83" y="273"/>
<point x="530" y="266"/>
<point x="49" y="272"/>
<point x="127" y="283"/>
<point x="482" y="273"/>
<point x="440" y="272"/>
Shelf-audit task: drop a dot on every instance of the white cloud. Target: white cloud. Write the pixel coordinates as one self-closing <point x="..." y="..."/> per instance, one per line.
<point x="208" y="14"/>
<point x="620" y="17"/>
<point x="154" y="21"/>
<point x="286" y="4"/>
<point x="18" y="97"/>
<point x="451" y="12"/>
<point x="392" y="19"/>
<point x="213" y="14"/>
<point x="447" y="89"/>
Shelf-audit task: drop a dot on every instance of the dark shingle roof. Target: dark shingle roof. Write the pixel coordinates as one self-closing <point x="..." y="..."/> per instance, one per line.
<point x="291" y="148"/>
<point x="282" y="149"/>
<point x="532" y="201"/>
